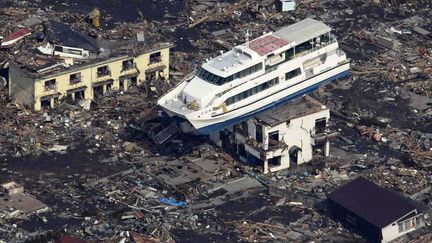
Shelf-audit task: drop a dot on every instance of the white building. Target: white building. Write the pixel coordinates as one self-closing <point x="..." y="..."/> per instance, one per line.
<point x="287" y="5"/>
<point x="282" y="137"/>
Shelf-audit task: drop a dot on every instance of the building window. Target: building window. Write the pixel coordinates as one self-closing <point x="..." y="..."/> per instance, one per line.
<point x="75" y="78"/>
<point x="241" y="150"/>
<point x="50" y="84"/>
<point x="45" y="103"/>
<point x="127" y="65"/>
<point x="80" y="95"/>
<point x="320" y="125"/>
<point x="406" y="225"/>
<point x="274" y="136"/>
<point x="275" y="161"/>
<point x="258" y="133"/>
<point x="155" y="57"/>
<point x="103" y="71"/>
<point x="292" y="74"/>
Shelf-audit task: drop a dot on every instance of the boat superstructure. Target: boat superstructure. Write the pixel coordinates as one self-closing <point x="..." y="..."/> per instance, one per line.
<point x="260" y="74"/>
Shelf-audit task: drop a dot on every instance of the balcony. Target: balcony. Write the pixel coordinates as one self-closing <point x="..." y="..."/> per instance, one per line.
<point x="331" y="40"/>
<point x="275" y="145"/>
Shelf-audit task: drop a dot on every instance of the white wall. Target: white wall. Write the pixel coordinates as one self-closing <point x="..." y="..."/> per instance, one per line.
<point x="298" y="132"/>
<point x="390" y="232"/>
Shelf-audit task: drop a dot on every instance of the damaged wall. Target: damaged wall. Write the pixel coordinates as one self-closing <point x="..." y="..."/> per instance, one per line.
<point x="21" y="86"/>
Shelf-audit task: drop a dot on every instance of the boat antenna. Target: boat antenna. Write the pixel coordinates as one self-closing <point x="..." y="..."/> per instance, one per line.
<point x="247" y="35"/>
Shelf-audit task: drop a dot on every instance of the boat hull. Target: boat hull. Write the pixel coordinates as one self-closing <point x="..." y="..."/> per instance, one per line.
<point x="207" y="126"/>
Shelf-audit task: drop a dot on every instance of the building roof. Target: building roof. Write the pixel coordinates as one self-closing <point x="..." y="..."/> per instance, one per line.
<point x="303" y="31"/>
<point x="293" y="109"/>
<point x="371" y="202"/>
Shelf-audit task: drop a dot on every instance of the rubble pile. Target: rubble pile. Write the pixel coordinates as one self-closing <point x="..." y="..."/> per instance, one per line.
<point x="125" y="187"/>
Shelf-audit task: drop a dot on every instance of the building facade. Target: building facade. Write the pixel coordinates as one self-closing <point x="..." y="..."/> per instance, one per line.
<point x="45" y="87"/>
<point x="283" y="137"/>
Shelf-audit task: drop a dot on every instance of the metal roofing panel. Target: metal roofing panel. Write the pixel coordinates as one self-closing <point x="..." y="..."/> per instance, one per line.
<point x="303" y="31"/>
<point x="267" y="44"/>
<point x="371" y="202"/>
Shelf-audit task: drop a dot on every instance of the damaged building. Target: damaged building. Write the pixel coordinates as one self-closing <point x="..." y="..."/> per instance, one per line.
<point x="85" y="71"/>
<point x="15" y="203"/>
<point x="280" y="138"/>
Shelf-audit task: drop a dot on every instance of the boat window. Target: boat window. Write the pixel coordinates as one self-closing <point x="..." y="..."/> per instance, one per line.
<point x="247" y="93"/>
<point x="289" y="54"/>
<point x="304" y="47"/>
<point x="292" y="74"/>
<point x="214" y="79"/>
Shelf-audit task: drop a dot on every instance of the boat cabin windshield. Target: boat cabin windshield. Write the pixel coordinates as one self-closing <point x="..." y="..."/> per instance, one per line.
<point x="214" y="79"/>
<point x="210" y="77"/>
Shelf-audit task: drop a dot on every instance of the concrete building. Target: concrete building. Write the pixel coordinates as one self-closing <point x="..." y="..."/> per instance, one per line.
<point x="280" y="138"/>
<point x="379" y="214"/>
<point x="78" y="77"/>
<point x="15" y="203"/>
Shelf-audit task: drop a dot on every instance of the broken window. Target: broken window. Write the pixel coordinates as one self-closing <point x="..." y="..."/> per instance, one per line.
<point x="46" y="103"/>
<point x="133" y="81"/>
<point x="274" y="136"/>
<point x="103" y="71"/>
<point x="98" y="91"/>
<point x="320" y="125"/>
<point x="151" y="76"/>
<point x="127" y="65"/>
<point x="241" y="150"/>
<point x="121" y="85"/>
<point x="275" y="161"/>
<point x="155" y="57"/>
<point x="75" y="78"/>
<point x="50" y="84"/>
<point x="258" y="133"/>
<point x="80" y="95"/>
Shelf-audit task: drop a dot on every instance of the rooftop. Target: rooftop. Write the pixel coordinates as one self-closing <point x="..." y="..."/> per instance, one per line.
<point x="303" y="31"/>
<point x="34" y="53"/>
<point x="267" y="44"/>
<point x="293" y="109"/>
<point x="231" y="59"/>
<point x="371" y="202"/>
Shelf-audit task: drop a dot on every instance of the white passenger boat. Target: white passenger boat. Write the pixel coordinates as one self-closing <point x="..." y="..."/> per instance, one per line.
<point x="258" y="75"/>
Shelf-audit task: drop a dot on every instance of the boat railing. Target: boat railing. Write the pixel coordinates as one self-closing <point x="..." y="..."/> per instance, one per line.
<point x="332" y="40"/>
